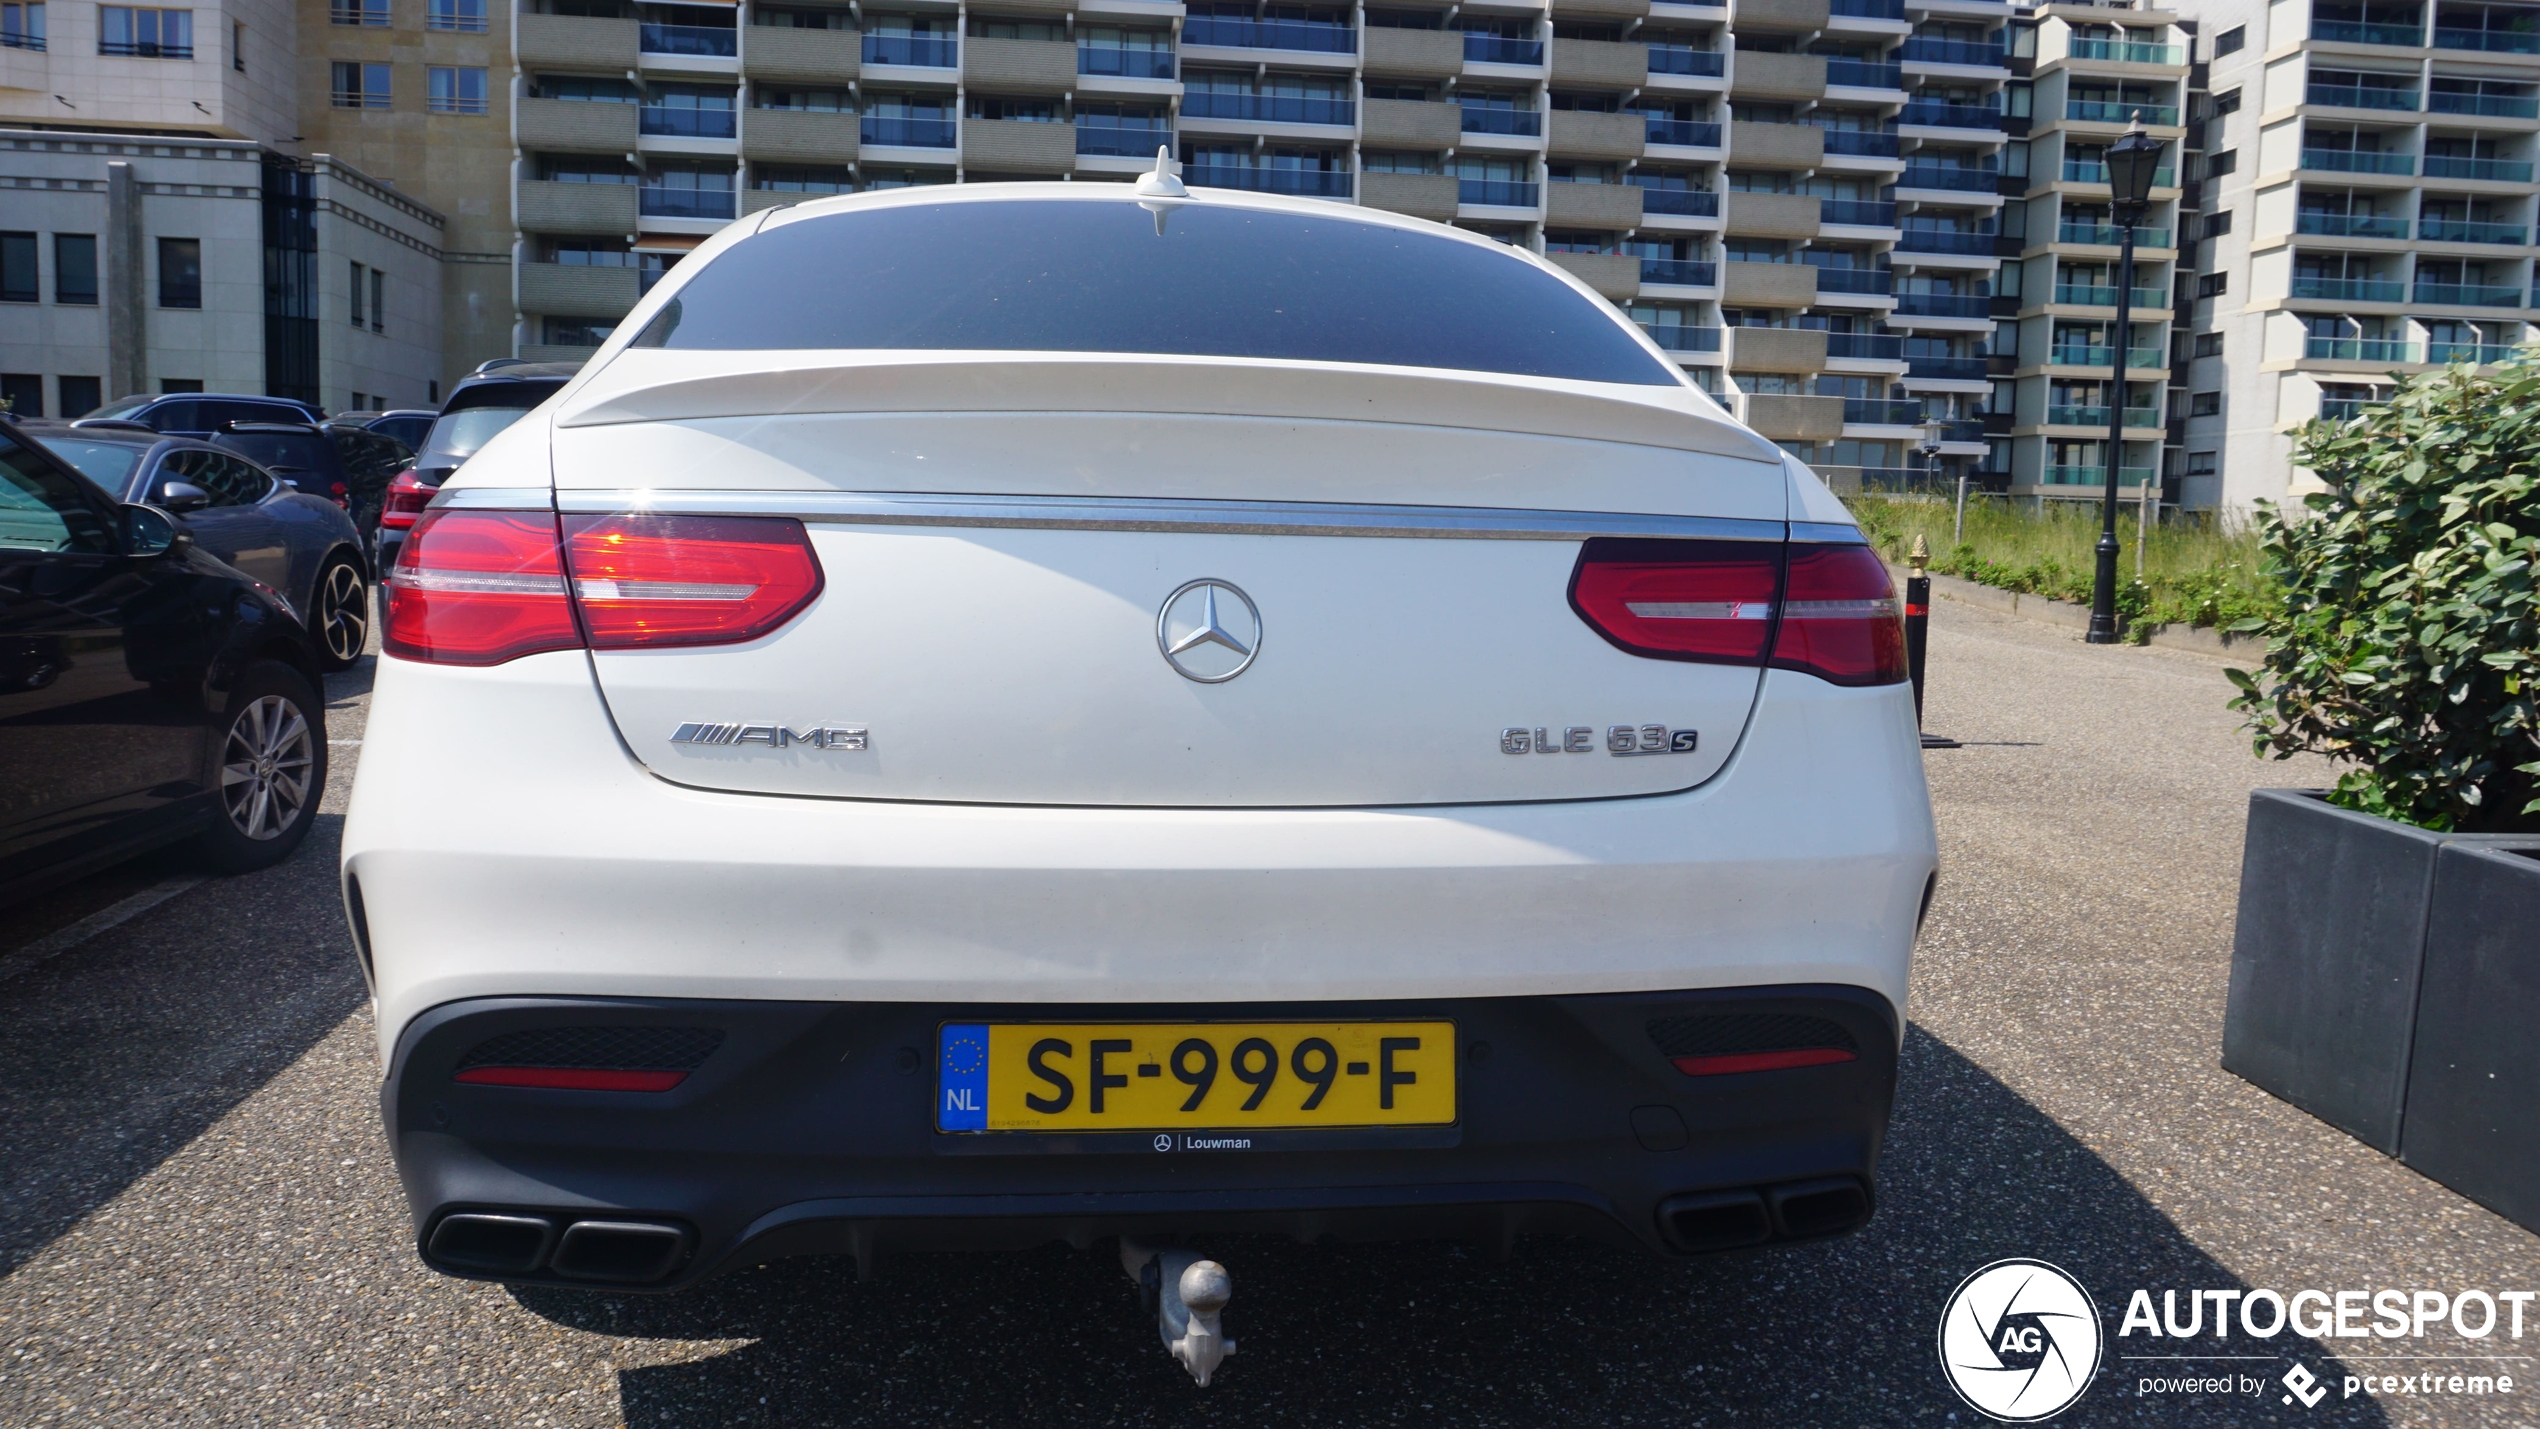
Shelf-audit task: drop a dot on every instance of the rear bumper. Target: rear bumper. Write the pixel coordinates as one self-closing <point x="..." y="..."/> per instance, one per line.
<point x="810" y="1129"/>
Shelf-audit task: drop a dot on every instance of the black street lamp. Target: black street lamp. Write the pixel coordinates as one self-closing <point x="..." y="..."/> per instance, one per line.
<point x="2131" y="162"/>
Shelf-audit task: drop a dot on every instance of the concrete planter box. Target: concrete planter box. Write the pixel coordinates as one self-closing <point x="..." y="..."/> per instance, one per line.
<point x="1791" y="419"/>
<point x="1768" y="285"/>
<point x="1609" y="64"/>
<point x="2472" y="1116"/>
<point x="1773" y="349"/>
<point x="1018" y="66"/>
<point x="1584" y="134"/>
<point x="1600" y="9"/>
<point x="549" y="207"/>
<point x="1761" y="74"/>
<point x="798" y="136"/>
<point x="1409" y="123"/>
<point x="1806" y="15"/>
<point x="820" y="57"/>
<point x="573" y="126"/>
<point x="752" y="200"/>
<point x="574" y="290"/>
<point x="1413" y="54"/>
<point x="578" y="43"/>
<point x="1429" y="196"/>
<point x="1016" y="146"/>
<point x="1753" y="215"/>
<point x="1613" y="275"/>
<point x="1593" y="206"/>
<point x="1777" y="146"/>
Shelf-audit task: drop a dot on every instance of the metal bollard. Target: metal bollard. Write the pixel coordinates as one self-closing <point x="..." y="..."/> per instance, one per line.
<point x="1918" y="635"/>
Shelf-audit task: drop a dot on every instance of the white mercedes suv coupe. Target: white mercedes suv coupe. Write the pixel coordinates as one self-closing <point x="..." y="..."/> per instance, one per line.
<point x="1039" y="711"/>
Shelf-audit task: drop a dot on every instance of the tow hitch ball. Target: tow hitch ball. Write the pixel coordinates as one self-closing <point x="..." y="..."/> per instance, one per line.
<point x="1188" y="1295"/>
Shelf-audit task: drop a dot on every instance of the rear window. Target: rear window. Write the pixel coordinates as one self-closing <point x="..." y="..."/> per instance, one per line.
<point x="280" y="450"/>
<point x="1057" y="275"/>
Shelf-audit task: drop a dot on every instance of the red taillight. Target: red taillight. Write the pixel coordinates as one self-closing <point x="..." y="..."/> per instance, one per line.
<point x="479" y="588"/>
<point x="572" y="1079"/>
<point x="1724" y="1063"/>
<point x="406" y="500"/>
<point x="644" y="580"/>
<point x="1840" y="619"/>
<point x="1680" y="600"/>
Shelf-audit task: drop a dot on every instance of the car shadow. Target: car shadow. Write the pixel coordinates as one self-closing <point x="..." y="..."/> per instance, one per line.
<point x="1561" y="1332"/>
<point x="123" y="1049"/>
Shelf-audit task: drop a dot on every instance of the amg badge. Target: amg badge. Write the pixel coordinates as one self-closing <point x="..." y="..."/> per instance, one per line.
<point x="1620" y="739"/>
<point x="774" y="736"/>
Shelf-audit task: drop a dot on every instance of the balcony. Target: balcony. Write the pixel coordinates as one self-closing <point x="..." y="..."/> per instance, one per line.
<point x="577" y="42"/>
<point x="549" y="206"/>
<point x="1420" y="125"/>
<point x="1683" y="203"/>
<point x="575" y="290"/>
<point x="1946" y="369"/>
<point x="814" y="57"/>
<point x="574" y="126"/>
<point x="2506" y="42"/>
<point x="2100" y="357"/>
<point x="1864" y="346"/>
<point x="1681" y="272"/>
<point x="1864" y="74"/>
<point x="2102" y="111"/>
<point x="1269" y="108"/>
<point x="803" y="136"/>
<point x="1965" y="429"/>
<point x="2492" y="106"/>
<point x="1693" y="133"/>
<point x="1614" y="276"/>
<point x="2361" y="96"/>
<point x="2133" y="52"/>
<point x="1240" y="34"/>
<point x="1950" y="116"/>
<point x="2348" y="290"/>
<point x="1682" y="59"/>
<point x="2469" y="295"/>
<point x="1001" y="66"/>
<point x="2361" y="349"/>
<point x="2454" y="230"/>
<point x="1944" y="305"/>
<point x="2095" y="476"/>
<point x="2350" y="225"/>
<point x="1498" y="193"/>
<point x="1302" y="183"/>
<point x="710" y="41"/>
<point x="1882" y="412"/>
<point x="1524" y="122"/>
<point x="2500" y="171"/>
<point x="1938" y="240"/>
<point x="1121" y="62"/>
<point x="2108" y="235"/>
<point x="2481" y="353"/>
<point x="2092" y="296"/>
<point x="1926" y="50"/>
<point x="1686" y="338"/>
<point x="1493" y="50"/>
<point x="2095" y="171"/>
<point x="1122" y="141"/>
<point x="2098" y="417"/>
<point x="1867" y="9"/>
<point x="1860" y="143"/>
<point x="1857" y="213"/>
<point x="2358" y="161"/>
<point x="1860" y="282"/>
<point x="915" y="51"/>
<point x="1410" y="54"/>
<point x="1950" y="178"/>
<point x="665" y="121"/>
<point x="1602" y="208"/>
<point x="1603" y="65"/>
<point x="1429" y="196"/>
<point x="902" y="132"/>
<point x="2342" y="409"/>
<point x="685" y="203"/>
<point x="2354" y="32"/>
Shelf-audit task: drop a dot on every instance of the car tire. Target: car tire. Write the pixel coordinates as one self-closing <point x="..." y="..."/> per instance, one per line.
<point x="268" y="770"/>
<point x="339" y="614"/>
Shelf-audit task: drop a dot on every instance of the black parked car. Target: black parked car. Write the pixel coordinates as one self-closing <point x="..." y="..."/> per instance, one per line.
<point x="371" y="458"/>
<point x="498" y="394"/>
<point x="303" y="545"/>
<point x="406" y="424"/>
<point x="149" y="691"/>
<point x="199" y="414"/>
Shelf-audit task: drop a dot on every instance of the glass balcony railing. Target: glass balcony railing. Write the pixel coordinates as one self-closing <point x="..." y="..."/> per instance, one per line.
<point x="2350" y="225"/>
<point x="1856" y="213"/>
<point x="2446" y="166"/>
<point x="1941" y="240"/>
<point x="1927" y="50"/>
<point x="1494" y="50"/>
<point x="1694" y="133"/>
<point x="1869" y="9"/>
<point x="1683" y="59"/>
<point x="2101" y="357"/>
<point x="684" y="203"/>
<point x="2493" y="106"/>
<point x="1950" y="177"/>
<point x="2362" y="349"/>
<point x="1119" y="61"/>
<point x="2481" y="353"/>
<point x="1861" y="143"/>
<point x="2098" y="417"/>
<point x="1943" y="305"/>
<point x="2361" y="96"/>
<point x="1882" y="412"/>
<point x="2454" y="230"/>
<point x="2341" y="409"/>
<point x="906" y="133"/>
<point x="1867" y="282"/>
<point x="1478" y="120"/>
<point x="1864" y="74"/>
<point x="2133" y="52"/>
<point x="2468" y="295"/>
<point x="921" y="51"/>
<point x="1681" y="272"/>
<point x="1946" y="369"/>
<point x="1865" y="346"/>
<point x="2095" y="476"/>
<point x="719" y="40"/>
<point x="1935" y="115"/>
<point x="2105" y="111"/>
<point x="2108" y="235"/>
<point x="2508" y="42"/>
<point x="686" y="123"/>
<point x="2354" y="32"/>
<point x="22" y="40"/>
<point x="1499" y="192"/>
<point x="2358" y="161"/>
<point x="2091" y="295"/>
<point x="1303" y="183"/>
<point x="1684" y="203"/>
<point x="1236" y="32"/>
<point x="2349" y="290"/>
<point x="1685" y="338"/>
<point x="1127" y="141"/>
<point x="2095" y="171"/>
<point x="1271" y="108"/>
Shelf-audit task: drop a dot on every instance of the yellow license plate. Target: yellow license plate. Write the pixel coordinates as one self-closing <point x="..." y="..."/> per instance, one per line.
<point x="1150" y="1076"/>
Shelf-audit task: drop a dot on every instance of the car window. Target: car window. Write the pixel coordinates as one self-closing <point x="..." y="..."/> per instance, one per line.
<point x="298" y="451"/>
<point x="219" y="414"/>
<point x="109" y="464"/>
<point x="43" y="509"/>
<point x="456" y="435"/>
<point x="1059" y="275"/>
<point x="175" y="417"/>
<point x="230" y="481"/>
<point x="121" y="407"/>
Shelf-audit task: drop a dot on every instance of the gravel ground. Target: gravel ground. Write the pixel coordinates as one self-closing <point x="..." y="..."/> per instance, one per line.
<point x="199" y="1224"/>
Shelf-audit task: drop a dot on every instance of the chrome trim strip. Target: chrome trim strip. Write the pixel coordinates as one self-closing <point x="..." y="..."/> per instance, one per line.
<point x="492" y="498"/>
<point x="1828" y="533"/>
<point x="1102" y="513"/>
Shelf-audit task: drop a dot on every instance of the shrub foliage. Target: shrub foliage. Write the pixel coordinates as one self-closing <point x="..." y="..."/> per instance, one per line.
<point x="2407" y="642"/>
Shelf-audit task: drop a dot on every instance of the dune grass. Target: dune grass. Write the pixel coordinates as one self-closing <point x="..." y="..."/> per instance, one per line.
<point x="2195" y="572"/>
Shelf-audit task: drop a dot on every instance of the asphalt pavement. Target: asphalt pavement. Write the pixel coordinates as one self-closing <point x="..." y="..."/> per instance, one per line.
<point x="199" y="1223"/>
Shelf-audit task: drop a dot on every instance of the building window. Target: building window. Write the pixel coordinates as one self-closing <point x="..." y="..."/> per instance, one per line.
<point x="2200" y="463"/>
<point x="2230" y="41"/>
<point x="378" y="301"/>
<point x="238" y="48"/>
<point x="2221" y="162"/>
<point x="151" y="34"/>
<point x="2006" y="283"/>
<point x="2017" y="100"/>
<point x="2211" y="284"/>
<point x="80" y="395"/>
<point x="464" y="16"/>
<point x="21" y="27"/>
<point x="358" y="270"/>
<point x="179" y="386"/>
<point x="2209" y="344"/>
<point x="22" y="393"/>
<point x="180" y="272"/>
<point x="2205" y="404"/>
<point x="358" y="12"/>
<point x="2006" y="339"/>
<point x="18" y="282"/>
<point x="457" y="90"/>
<point x="2227" y="102"/>
<point x="361" y="86"/>
<point x="75" y="269"/>
<point x="2218" y="224"/>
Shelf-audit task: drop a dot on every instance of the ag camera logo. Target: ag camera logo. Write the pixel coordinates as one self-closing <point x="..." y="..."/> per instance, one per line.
<point x="2020" y="1340"/>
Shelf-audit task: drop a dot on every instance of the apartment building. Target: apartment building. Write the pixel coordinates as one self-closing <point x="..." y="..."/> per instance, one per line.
<point x="2370" y="177"/>
<point x="1797" y="198"/>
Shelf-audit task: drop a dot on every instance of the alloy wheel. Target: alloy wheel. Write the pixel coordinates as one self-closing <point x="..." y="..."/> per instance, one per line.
<point x="343" y="613"/>
<point x="265" y="766"/>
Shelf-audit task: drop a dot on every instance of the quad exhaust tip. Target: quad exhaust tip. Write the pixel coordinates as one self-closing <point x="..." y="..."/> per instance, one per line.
<point x="519" y="1244"/>
<point x="1701" y="1221"/>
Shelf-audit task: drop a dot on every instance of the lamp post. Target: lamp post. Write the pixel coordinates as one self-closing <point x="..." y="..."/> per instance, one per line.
<point x="2131" y="161"/>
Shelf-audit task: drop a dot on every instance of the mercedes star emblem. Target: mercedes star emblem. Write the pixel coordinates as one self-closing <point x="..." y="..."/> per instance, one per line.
<point x="1209" y="631"/>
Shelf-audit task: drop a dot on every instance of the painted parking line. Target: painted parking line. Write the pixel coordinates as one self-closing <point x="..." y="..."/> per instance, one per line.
<point x="62" y="940"/>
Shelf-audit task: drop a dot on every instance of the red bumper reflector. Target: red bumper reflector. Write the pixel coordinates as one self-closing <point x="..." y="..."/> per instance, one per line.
<point x="573" y="1079"/>
<point x="1783" y="1060"/>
